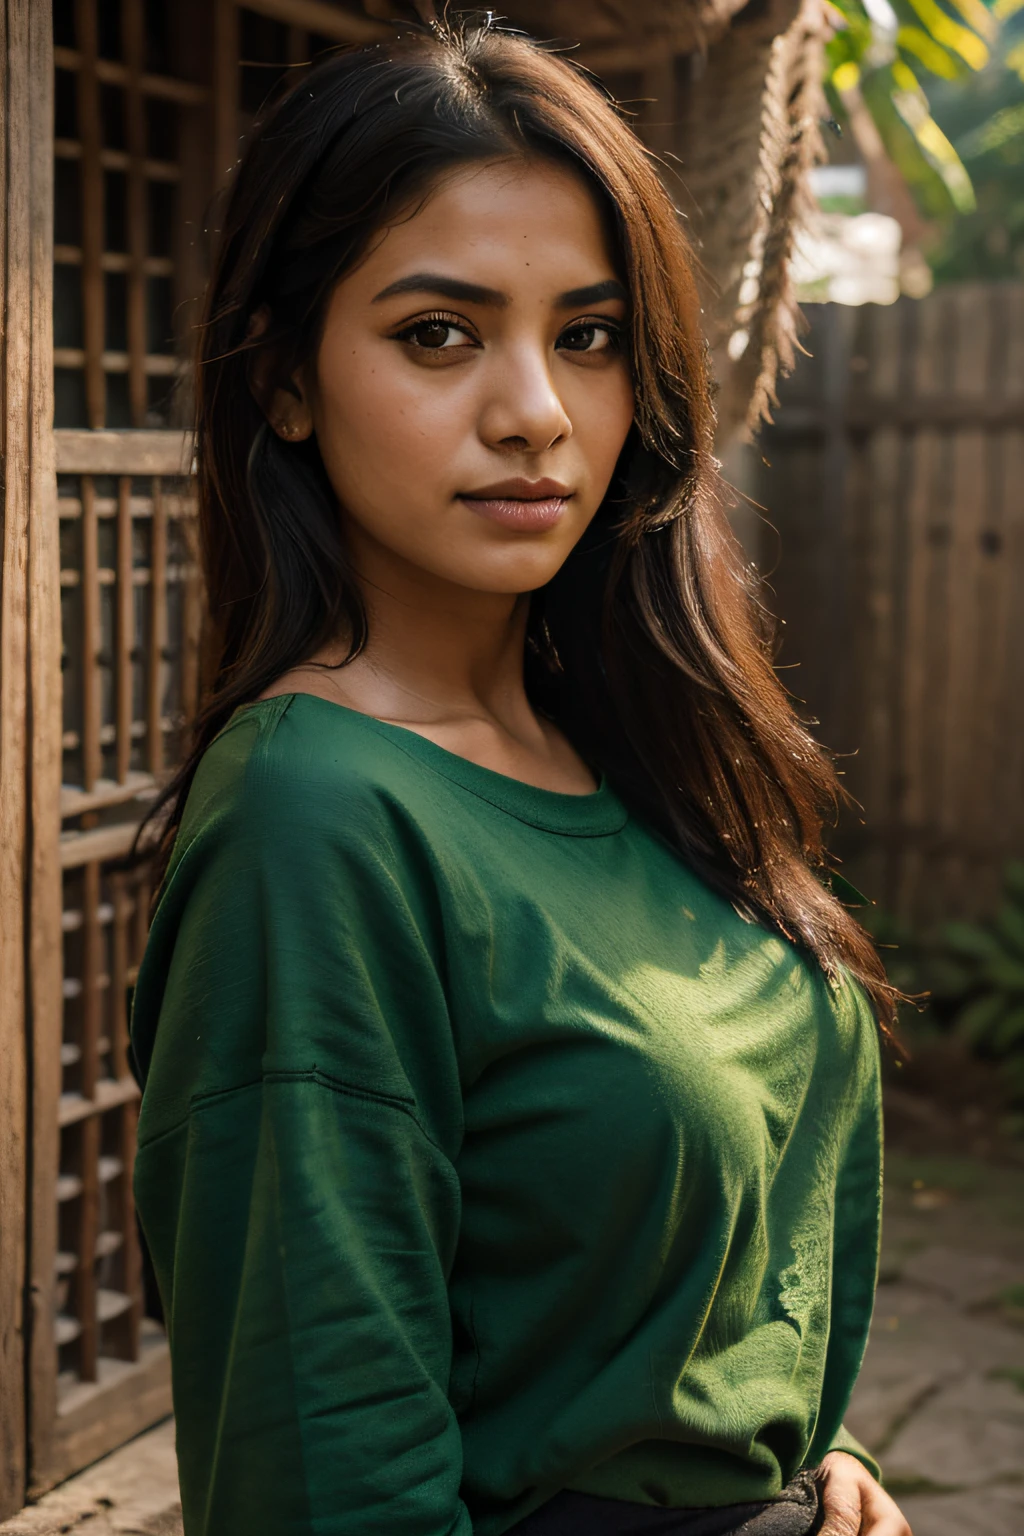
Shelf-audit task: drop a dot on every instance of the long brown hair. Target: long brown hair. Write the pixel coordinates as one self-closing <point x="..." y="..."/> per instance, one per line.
<point x="648" y="646"/>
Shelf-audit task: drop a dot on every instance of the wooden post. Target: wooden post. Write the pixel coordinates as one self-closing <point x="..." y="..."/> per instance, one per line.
<point x="93" y="297"/>
<point x="133" y="32"/>
<point x="15" y="277"/>
<point x="29" y="698"/>
<point x="225" y="89"/>
<point x="157" y="631"/>
<point x="125" y="627"/>
<point x="45" y="937"/>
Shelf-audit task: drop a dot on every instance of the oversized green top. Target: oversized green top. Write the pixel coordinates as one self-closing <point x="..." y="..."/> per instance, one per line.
<point x="484" y="1151"/>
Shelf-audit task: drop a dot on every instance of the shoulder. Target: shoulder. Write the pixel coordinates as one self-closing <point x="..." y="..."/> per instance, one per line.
<point x="295" y="779"/>
<point x="294" y="756"/>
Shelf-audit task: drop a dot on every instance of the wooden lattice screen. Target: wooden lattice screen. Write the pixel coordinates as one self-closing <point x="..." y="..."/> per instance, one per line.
<point x="131" y="177"/>
<point x="150" y="100"/>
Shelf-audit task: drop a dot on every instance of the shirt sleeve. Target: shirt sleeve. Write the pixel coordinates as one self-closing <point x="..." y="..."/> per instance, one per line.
<point x="295" y="1175"/>
<point x="857" y="1233"/>
<point x="842" y="1440"/>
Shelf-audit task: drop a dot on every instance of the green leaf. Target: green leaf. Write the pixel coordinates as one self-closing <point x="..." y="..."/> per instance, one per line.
<point x="1013" y="878"/>
<point x="962" y="40"/>
<point x="931" y="54"/>
<point x="978" y="1020"/>
<point x="912" y="105"/>
<point x="844" y="891"/>
<point x="948" y="979"/>
<point x="970" y="942"/>
<point x="978" y="16"/>
<point x="1009" y="1032"/>
<point x="1006" y="973"/>
<point x="1009" y="925"/>
<point x="1001" y="129"/>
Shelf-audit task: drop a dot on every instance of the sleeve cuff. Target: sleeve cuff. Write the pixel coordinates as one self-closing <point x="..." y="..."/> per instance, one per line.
<point x="842" y="1440"/>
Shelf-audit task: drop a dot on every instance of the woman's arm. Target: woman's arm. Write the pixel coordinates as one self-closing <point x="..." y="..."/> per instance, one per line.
<point x="295" y="1176"/>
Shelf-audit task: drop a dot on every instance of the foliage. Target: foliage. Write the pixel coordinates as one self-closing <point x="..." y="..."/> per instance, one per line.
<point x="978" y="972"/>
<point x="944" y="82"/>
<point x="903" y="954"/>
<point x="984" y="117"/>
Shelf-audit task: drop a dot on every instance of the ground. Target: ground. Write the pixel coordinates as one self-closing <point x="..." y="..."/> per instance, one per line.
<point x="940" y="1399"/>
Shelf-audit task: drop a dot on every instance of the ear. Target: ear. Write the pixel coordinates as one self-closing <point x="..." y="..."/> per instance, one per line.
<point x="284" y="402"/>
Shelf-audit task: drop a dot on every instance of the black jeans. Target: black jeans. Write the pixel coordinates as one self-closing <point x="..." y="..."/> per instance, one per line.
<point x="797" y="1511"/>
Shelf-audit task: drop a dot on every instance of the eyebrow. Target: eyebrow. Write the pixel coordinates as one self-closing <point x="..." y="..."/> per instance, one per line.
<point x="474" y="293"/>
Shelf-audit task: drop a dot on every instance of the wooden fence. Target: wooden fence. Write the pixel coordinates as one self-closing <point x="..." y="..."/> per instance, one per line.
<point x="893" y="538"/>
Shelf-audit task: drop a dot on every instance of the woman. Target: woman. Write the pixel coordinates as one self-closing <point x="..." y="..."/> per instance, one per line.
<point x="509" y="1153"/>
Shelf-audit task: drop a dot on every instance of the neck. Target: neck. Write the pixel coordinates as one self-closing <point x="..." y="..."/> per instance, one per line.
<point x="437" y="653"/>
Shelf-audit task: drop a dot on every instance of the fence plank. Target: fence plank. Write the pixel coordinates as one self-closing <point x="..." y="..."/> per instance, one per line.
<point x="932" y="581"/>
<point x="1009" y="802"/>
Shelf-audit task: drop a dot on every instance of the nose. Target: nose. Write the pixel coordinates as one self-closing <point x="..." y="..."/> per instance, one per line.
<point x="523" y="410"/>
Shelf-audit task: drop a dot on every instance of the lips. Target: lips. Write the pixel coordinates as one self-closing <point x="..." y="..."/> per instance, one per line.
<point x="527" y="505"/>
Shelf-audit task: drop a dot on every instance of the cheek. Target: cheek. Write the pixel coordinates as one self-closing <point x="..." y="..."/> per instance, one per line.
<point x="601" y="409"/>
<point x="384" y="427"/>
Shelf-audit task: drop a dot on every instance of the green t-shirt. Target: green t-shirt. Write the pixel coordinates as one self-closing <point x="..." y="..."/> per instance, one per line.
<point x="484" y="1150"/>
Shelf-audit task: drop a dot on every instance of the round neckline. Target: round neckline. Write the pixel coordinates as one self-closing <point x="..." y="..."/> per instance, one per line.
<point x="595" y="814"/>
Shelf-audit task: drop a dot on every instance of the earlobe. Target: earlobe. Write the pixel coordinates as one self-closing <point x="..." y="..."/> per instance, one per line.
<point x="293" y="431"/>
<point x="288" y="412"/>
<point x="283" y="402"/>
<point x="289" y="415"/>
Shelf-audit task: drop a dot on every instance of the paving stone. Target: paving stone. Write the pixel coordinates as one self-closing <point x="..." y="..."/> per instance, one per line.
<point x="967" y="1279"/>
<point x="887" y="1392"/>
<point x="132" y="1492"/>
<point x="927" y="1331"/>
<point x="993" y="1511"/>
<point x="968" y="1434"/>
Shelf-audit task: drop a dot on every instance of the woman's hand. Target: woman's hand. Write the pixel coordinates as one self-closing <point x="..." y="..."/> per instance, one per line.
<point x="854" y="1503"/>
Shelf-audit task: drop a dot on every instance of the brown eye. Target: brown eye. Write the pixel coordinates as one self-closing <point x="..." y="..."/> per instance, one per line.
<point x="591" y="336"/>
<point x="434" y="335"/>
<point x="431" y="334"/>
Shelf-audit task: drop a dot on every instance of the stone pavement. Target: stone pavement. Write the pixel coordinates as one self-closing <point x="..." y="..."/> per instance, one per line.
<point x="940" y="1400"/>
<point x="133" y="1492"/>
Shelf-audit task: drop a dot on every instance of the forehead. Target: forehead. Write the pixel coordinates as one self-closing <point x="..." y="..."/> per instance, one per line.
<point x="508" y="224"/>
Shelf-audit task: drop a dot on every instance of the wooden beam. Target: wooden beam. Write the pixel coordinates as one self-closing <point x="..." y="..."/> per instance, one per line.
<point x="619" y="57"/>
<point x="98" y="1416"/>
<point x="112" y="73"/>
<point x="327" y="20"/>
<point x="226" y="43"/>
<point x="98" y="843"/>
<point x="907" y="413"/>
<point x="122" y="453"/>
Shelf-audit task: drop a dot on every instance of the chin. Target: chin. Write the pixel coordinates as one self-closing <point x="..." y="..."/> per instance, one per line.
<point x="510" y="576"/>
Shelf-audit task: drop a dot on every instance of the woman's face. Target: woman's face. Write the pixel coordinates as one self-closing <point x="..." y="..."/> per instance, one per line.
<point x="472" y="394"/>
